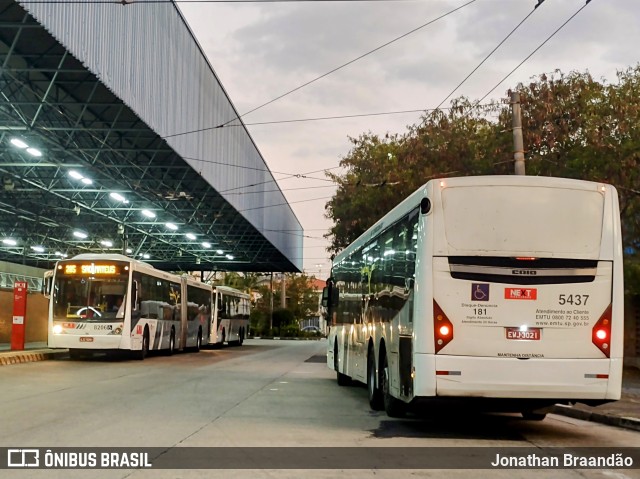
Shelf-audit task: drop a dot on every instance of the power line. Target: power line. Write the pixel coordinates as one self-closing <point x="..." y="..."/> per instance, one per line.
<point x="535" y="50"/>
<point x="540" y="2"/>
<point x="283" y="204"/>
<point x="327" y="73"/>
<point x="285" y="189"/>
<point x="153" y="2"/>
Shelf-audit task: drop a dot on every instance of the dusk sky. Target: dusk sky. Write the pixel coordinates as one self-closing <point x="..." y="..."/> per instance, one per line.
<point x="260" y="52"/>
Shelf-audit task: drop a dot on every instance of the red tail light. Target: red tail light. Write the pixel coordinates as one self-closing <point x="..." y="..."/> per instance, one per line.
<point x="442" y="328"/>
<point x="601" y="333"/>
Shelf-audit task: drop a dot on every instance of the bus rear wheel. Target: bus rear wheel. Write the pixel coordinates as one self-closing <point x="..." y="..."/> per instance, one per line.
<point x="343" y="379"/>
<point x="376" y="400"/>
<point x="392" y="406"/>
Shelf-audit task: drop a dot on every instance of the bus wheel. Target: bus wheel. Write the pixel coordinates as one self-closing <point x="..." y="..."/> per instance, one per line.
<point x="343" y="379"/>
<point x="76" y="354"/>
<point x="172" y="343"/>
<point x="198" y="341"/>
<point x="392" y="406"/>
<point x="375" y="395"/>
<point x="144" y="351"/>
<point x="533" y="416"/>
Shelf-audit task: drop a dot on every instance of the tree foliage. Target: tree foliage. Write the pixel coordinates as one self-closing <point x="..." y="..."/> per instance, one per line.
<point x="574" y="126"/>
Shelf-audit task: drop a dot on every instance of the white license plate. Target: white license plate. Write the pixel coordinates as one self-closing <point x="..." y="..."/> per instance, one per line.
<point x="86" y="339"/>
<point x="531" y="334"/>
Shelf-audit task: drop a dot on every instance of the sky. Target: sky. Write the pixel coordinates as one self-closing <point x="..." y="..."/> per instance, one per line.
<point x="261" y="51"/>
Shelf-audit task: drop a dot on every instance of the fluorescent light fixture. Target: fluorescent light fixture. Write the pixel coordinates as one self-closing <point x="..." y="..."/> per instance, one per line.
<point x="80" y="234"/>
<point x="129" y="250"/>
<point x="58" y="253"/>
<point x="146" y="256"/>
<point x="191" y="236"/>
<point x="106" y="243"/>
<point x="206" y="244"/>
<point x="119" y="197"/>
<point x="87" y="181"/>
<point x="18" y="143"/>
<point x="171" y="226"/>
<point x="219" y="251"/>
<point x="229" y="256"/>
<point x="38" y="249"/>
<point x="75" y="174"/>
<point x="149" y="213"/>
<point x="9" y="242"/>
<point x="34" y="152"/>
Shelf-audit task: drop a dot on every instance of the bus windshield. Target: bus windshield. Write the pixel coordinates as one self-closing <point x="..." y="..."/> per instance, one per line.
<point x="89" y="299"/>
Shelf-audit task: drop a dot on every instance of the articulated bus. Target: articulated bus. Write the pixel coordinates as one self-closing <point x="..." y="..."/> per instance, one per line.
<point x="501" y="293"/>
<point x="230" y="316"/>
<point x="111" y="302"/>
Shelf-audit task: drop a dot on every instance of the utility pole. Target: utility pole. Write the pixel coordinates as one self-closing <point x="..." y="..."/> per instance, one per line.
<point x="516" y="126"/>
<point x="271" y="307"/>
<point x="283" y="292"/>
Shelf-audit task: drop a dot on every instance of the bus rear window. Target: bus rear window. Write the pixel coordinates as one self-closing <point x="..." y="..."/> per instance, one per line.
<point x="513" y="219"/>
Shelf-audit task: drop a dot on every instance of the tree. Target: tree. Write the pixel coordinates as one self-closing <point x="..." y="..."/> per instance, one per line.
<point x="574" y="126"/>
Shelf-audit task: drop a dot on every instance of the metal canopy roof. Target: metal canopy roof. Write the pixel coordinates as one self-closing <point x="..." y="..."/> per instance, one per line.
<point x="51" y="102"/>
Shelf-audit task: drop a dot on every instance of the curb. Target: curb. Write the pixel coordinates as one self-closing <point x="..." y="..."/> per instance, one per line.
<point x="22" y="357"/>
<point x="607" y="419"/>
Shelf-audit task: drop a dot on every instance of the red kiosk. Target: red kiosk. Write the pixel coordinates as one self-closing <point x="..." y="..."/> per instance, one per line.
<point x="20" y="290"/>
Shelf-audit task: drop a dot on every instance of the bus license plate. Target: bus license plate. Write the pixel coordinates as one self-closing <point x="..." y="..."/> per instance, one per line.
<point x="86" y="339"/>
<point x="531" y="334"/>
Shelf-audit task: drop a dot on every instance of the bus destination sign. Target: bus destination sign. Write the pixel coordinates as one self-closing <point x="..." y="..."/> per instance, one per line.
<point x="91" y="269"/>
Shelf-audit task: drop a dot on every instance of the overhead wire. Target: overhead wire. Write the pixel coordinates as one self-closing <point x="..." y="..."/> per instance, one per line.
<point x="239" y="117"/>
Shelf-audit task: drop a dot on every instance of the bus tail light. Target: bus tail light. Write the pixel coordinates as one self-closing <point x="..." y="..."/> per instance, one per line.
<point x="601" y="333"/>
<point x="442" y="328"/>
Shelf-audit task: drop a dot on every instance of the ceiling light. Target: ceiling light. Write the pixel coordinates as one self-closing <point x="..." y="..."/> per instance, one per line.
<point x="38" y="249"/>
<point x="75" y="174"/>
<point x="171" y="226"/>
<point x="206" y="244"/>
<point x="146" y="256"/>
<point x="34" y="152"/>
<point x="87" y="181"/>
<point x="149" y="213"/>
<point x="9" y="242"/>
<point x="129" y="250"/>
<point x="229" y="256"/>
<point x="106" y="243"/>
<point x="219" y="251"/>
<point x="18" y="143"/>
<point x="80" y="234"/>
<point x="119" y="197"/>
<point x="191" y="236"/>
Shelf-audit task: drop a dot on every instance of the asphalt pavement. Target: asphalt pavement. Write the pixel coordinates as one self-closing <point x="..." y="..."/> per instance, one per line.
<point x="624" y="413"/>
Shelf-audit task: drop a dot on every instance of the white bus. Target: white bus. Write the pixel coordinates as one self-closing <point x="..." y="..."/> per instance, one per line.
<point x="501" y="292"/>
<point x="231" y="312"/>
<point x="111" y="302"/>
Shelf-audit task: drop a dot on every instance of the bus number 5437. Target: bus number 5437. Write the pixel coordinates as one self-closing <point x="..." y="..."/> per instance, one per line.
<point x="573" y="299"/>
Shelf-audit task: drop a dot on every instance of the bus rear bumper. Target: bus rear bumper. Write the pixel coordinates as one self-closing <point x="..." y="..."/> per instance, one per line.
<point x="533" y="378"/>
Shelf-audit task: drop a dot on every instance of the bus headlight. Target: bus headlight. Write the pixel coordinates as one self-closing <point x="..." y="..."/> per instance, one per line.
<point x="57" y="329"/>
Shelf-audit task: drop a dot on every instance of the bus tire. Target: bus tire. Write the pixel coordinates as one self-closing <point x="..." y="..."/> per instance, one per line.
<point x="76" y="354"/>
<point x="172" y="343"/>
<point x="533" y="416"/>
<point x="198" y="341"/>
<point x="376" y="400"/>
<point x="144" y="350"/>
<point x="392" y="406"/>
<point x="343" y="379"/>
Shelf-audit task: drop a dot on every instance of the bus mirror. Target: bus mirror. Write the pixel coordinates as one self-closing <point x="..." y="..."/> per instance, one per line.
<point x="425" y="206"/>
<point x="47" y="282"/>
<point x="134" y="296"/>
<point x="325" y="297"/>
